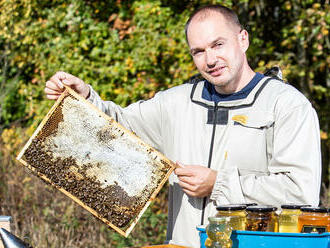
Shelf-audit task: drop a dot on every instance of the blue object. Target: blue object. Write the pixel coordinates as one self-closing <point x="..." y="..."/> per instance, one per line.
<point x="202" y="235"/>
<point x="249" y="239"/>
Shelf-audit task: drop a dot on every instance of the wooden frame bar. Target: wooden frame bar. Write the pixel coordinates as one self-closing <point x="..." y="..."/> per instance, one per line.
<point x="139" y="142"/>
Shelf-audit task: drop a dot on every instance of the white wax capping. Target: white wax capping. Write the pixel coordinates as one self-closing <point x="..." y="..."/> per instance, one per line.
<point x="116" y="160"/>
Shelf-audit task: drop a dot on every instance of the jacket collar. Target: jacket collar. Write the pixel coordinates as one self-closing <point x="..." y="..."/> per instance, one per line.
<point x="197" y="90"/>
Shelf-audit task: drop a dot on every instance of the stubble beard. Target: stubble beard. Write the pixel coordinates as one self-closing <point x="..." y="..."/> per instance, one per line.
<point x="220" y="85"/>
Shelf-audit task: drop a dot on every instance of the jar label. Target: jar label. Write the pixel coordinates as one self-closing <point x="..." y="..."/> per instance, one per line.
<point x="314" y="229"/>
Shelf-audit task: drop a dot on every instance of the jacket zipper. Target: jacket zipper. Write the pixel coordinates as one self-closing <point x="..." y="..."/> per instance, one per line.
<point x="215" y="109"/>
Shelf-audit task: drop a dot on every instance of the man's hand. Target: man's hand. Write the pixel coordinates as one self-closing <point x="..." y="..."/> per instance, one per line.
<point x="196" y="180"/>
<point x="54" y="86"/>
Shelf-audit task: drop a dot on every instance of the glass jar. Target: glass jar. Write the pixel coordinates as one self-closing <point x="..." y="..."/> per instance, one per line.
<point x="314" y="220"/>
<point x="234" y="210"/>
<point x="261" y="218"/>
<point x="250" y="204"/>
<point x="219" y="230"/>
<point x="288" y="219"/>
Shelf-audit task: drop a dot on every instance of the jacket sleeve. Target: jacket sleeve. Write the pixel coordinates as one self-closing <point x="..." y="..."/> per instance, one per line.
<point x="294" y="170"/>
<point x="144" y="118"/>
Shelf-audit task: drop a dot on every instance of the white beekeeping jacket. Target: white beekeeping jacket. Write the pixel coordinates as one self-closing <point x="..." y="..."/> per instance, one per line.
<point x="265" y="147"/>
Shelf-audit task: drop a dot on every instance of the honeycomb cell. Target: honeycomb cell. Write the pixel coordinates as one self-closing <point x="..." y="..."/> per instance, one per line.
<point x="96" y="162"/>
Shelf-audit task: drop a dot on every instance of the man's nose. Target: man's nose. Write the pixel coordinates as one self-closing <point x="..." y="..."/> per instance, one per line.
<point x="211" y="58"/>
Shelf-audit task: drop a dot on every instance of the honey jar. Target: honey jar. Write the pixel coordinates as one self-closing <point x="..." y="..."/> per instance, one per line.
<point x="288" y="219"/>
<point x="219" y="230"/>
<point x="234" y="210"/>
<point x="261" y="218"/>
<point x="314" y="220"/>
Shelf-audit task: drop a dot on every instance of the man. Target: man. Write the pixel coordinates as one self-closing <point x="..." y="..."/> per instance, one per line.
<point x="238" y="136"/>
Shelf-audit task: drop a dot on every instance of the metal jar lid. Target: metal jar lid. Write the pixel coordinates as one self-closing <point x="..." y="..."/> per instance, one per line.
<point x="314" y="209"/>
<point x="265" y="208"/>
<point x="293" y="206"/>
<point x="230" y="207"/>
<point x="251" y="204"/>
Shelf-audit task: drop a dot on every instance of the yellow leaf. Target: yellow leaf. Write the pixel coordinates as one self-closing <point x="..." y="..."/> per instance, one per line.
<point x="151" y="94"/>
<point x="325" y="31"/>
<point x="261" y="63"/>
<point x="324" y="135"/>
<point x="287" y="6"/>
<point x="298" y="29"/>
<point x="119" y="91"/>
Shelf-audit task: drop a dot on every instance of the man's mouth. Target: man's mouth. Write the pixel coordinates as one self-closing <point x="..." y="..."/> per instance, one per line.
<point x="215" y="72"/>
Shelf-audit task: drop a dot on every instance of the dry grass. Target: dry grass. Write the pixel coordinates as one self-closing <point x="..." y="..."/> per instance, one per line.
<point x="325" y="195"/>
<point x="44" y="217"/>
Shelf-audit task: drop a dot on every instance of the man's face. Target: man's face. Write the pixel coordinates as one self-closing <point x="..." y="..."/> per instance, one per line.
<point x="218" y="51"/>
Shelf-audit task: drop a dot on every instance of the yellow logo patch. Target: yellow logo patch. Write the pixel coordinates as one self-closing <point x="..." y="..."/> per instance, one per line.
<point x="240" y="119"/>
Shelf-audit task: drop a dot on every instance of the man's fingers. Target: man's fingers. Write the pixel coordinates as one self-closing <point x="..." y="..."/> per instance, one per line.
<point x="56" y="81"/>
<point x="69" y="82"/>
<point x="53" y="86"/>
<point x="179" y="164"/>
<point x="188" y="189"/>
<point x="56" y="85"/>
<point x="183" y="172"/>
<point x="186" y="179"/>
<point x="190" y="193"/>
<point x="58" y="78"/>
<point x="62" y="77"/>
<point x="53" y="97"/>
<point x="50" y="91"/>
<point x="73" y="82"/>
<point x="187" y="186"/>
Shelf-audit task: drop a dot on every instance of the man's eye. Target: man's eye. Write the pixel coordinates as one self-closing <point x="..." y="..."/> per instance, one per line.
<point x="217" y="45"/>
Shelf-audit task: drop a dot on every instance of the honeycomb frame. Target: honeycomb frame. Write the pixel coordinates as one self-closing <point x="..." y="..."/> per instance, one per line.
<point x="53" y="154"/>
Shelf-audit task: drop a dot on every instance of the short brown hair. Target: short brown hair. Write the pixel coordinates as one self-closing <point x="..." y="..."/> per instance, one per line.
<point x="229" y="15"/>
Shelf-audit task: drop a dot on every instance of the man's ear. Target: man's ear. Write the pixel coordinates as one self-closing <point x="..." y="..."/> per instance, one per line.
<point x="243" y="39"/>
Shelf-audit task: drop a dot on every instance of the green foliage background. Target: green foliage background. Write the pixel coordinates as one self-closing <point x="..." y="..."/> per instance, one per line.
<point x="128" y="50"/>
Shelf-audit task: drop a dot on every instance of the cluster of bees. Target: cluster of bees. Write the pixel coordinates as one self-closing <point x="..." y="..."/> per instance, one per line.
<point x="110" y="201"/>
